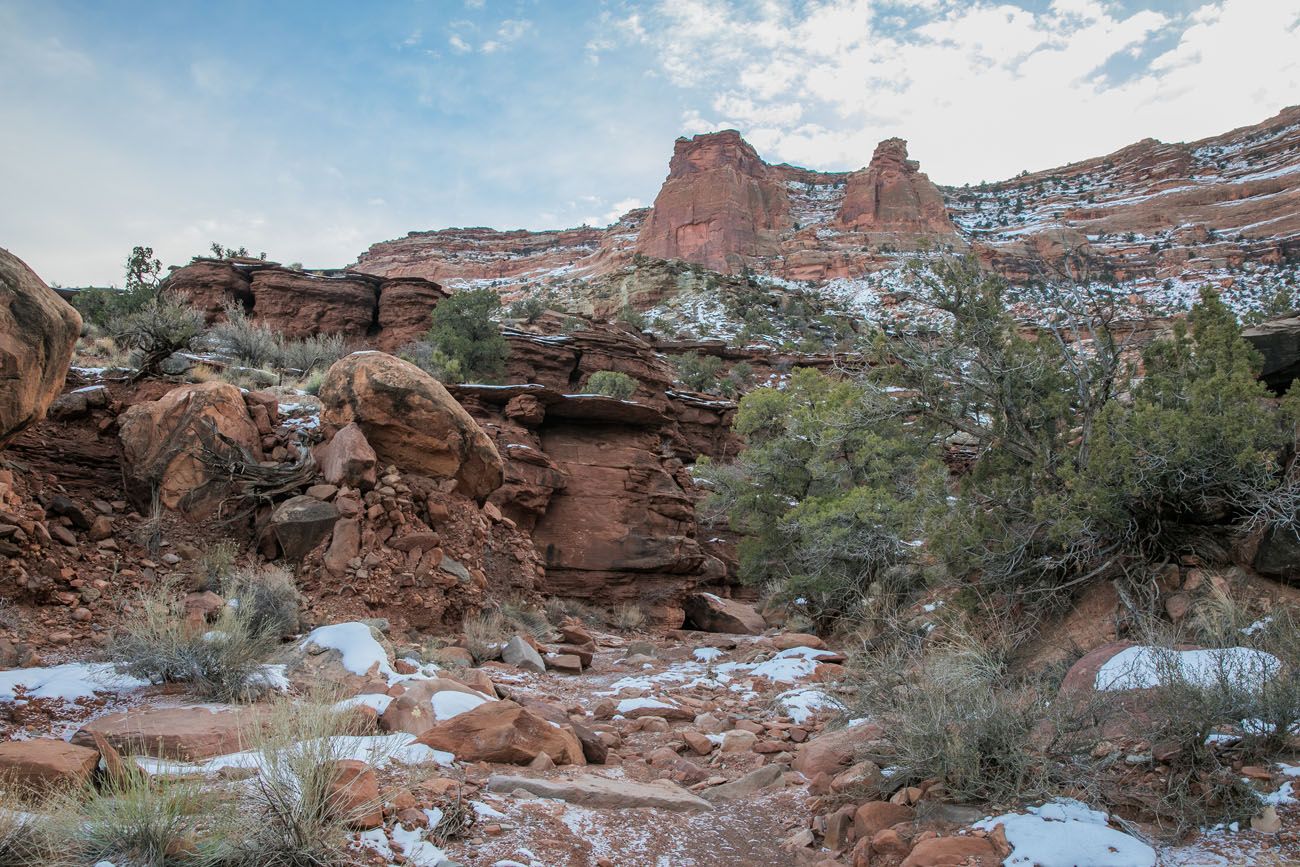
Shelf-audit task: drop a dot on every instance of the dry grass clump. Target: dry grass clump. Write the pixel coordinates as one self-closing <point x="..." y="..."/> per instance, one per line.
<point x="222" y="661"/>
<point x="954" y="713"/>
<point x="485" y="632"/>
<point x="267" y="599"/>
<point x="296" y="814"/>
<point x="559" y="609"/>
<point x="628" y="616"/>
<point x="523" y="616"/>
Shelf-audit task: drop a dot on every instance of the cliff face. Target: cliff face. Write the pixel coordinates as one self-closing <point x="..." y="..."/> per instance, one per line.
<point x="1160" y="218"/>
<point x="720" y="206"/>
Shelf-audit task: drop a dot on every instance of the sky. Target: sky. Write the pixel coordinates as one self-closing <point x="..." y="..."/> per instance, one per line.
<point x="310" y="130"/>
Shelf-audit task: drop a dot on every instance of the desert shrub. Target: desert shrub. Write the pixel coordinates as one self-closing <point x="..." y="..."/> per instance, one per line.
<point x="161" y="326"/>
<point x="297" y="817"/>
<point x="829" y="494"/>
<point x="432" y="361"/>
<point x="529" y="309"/>
<point x="698" y="372"/>
<point x="559" y="609"/>
<point x="257" y="345"/>
<point x="611" y="383"/>
<point x="954" y="713"/>
<point x="268" y="600"/>
<point x="314" y="353"/>
<point x="1198" y="443"/>
<point x="133" y="818"/>
<point x="217" y="562"/>
<point x="628" y="616"/>
<point x="463" y="329"/>
<point x="313" y="382"/>
<point x="485" y="632"/>
<point x="251" y="342"/>
<point x="223" y="661"/>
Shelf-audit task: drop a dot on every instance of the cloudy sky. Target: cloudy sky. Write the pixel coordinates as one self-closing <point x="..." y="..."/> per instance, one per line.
<point x="312" y="129"/>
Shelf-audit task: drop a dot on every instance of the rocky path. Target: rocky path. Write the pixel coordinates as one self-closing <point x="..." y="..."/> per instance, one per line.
<point x="715" y="691"/>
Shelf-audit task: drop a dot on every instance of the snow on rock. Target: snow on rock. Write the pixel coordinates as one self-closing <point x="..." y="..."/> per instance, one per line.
<point x="1142" y="667"/>
<point x="376" y="700"/>
<point x="706" y="654"/>
<point x="1066" y="833"/>
<point x="788" y="666"/>
<point x="378" y="751"/>
<point x="418" y="851"/>
<point x="68" y="682"/>
<point x="802" y="704"/>
<point x="628" y="705"/>
<point x="450" y="703"/>
<point x="356" y="644"/>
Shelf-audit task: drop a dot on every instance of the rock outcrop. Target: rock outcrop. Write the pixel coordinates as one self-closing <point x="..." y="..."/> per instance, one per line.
<point x="361" y="307"/>
<point x="38" y="330"/>
<point x="892" y="196"/>
<point x="411" y="421"/>
<point x="720" y="204"/>
<point x="164" y="442"/>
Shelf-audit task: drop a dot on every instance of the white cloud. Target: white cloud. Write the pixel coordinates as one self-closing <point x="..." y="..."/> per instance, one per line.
<point x="981" y="89"/>
<point x="459" y="45"/>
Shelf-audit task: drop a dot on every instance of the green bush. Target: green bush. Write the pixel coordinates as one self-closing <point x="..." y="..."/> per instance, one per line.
<point x="432" y="361"/>
<point x="107" y="307"/>
<point x="699" y="372"/>
<point x="829" y="493"/>
<point x="632" y="317"/>
<point x="611" y="383"/>
<point x="463" y="330"/>
<point x="529" y="309"/>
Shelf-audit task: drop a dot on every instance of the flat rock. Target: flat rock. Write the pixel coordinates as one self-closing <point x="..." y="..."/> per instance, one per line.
<point x="602" y="792"/>
<point x="768" y="775"/>
<point x="188" y="734"/>
<point x="46" y="762"/>
<point x="711" y="613"/>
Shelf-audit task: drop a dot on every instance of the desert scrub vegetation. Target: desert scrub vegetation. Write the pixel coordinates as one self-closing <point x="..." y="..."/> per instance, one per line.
<point x="163" y="325"/>
<point x="267" y="599"/>
<point x="954" y="713"/>
<point x="611" y="383"/>
<point x="224" y="661"/>
<point x="103" y="307"/>
<point x="829" y="494"/>
<point x="298" y="812"/>
<point x="1086" y="465"/>
<point x="463" y="343"/>
<point x="258" y="346"/>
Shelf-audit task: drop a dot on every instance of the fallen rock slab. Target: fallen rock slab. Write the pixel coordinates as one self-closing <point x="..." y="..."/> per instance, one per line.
<point x="768" y="775"/>
<point x="505" y="732"/>
<point x="188" y="734"/>
<point x="45" y="763"/>
<point x="602" y="792"/>
<point x="711" y="613"/>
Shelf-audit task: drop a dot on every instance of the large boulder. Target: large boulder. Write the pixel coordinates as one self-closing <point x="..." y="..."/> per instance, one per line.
<point x="38" y="330"/>
<point x="209" y="285"/>
<point x="711" y="613"/>
<point x="504" y="732"/>
<point x="410" y="420"/>
<point x="164" y="443"/>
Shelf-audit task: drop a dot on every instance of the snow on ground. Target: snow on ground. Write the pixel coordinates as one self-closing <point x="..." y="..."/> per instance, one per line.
<point x="1143" y="666"/>
<point x="450" y="703"/>
<point x="1067" y="833"/>
<point x="68" y="682"/>
<point x="378" y="751"/>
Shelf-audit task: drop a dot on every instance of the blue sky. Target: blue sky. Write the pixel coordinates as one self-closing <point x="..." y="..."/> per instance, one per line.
<point x="312" y="129"/>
